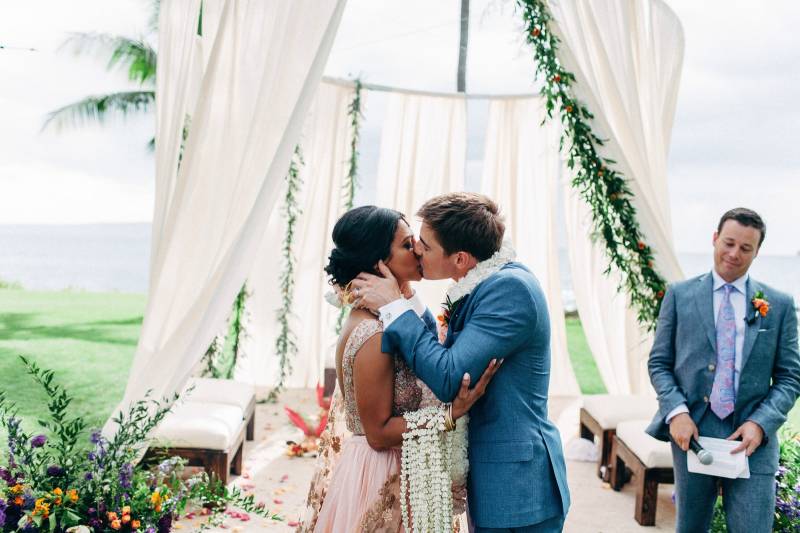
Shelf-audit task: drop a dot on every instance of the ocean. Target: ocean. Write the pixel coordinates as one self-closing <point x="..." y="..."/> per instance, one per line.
<point x="115" y="258"/>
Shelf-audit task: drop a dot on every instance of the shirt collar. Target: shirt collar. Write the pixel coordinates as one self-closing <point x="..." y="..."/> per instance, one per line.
<point x="738" y="284"/>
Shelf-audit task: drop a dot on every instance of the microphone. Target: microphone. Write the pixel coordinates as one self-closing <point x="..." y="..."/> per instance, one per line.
<point x="704" y="456"/>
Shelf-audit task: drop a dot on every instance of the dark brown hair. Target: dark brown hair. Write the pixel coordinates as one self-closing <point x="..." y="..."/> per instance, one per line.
<point x="466" y="222"/>
<point x="745" y="217"/>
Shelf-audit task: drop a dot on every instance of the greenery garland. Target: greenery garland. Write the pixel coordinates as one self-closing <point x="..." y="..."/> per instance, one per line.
<point x="604" y="189"/>
<point x="351" y="183"/>
<point x="225" y="350"/>
<point x="285" y="344"/>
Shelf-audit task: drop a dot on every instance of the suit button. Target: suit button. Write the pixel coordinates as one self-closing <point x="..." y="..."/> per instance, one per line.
<point x="705" y="399"/>
<point x="711" y="368"/>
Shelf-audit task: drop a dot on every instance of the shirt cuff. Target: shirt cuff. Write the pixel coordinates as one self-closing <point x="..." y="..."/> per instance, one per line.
<point x="391" y="311"/>
<point x="675" y="412"/>
<point x="417" y="304"/>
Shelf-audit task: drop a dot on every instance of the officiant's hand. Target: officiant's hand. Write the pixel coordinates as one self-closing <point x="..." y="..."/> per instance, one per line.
<point x="751" y="434"/>
<point x="682" y="429"/>
<point x="467" y="397"/>
<point x="373" y="292"/>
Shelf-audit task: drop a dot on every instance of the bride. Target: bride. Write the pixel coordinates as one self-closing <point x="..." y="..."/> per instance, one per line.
<point x="390" y="417"/>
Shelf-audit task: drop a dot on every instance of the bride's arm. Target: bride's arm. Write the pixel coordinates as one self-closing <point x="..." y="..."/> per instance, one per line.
<point x="373" y="384"/>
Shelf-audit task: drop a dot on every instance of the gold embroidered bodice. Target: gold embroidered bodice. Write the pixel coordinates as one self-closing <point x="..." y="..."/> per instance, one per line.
<point x="407" y="392"/>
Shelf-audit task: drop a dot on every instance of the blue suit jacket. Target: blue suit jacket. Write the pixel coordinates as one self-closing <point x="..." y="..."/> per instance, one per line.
<point x="685" y="346"/>
<point x="517" y="475"/>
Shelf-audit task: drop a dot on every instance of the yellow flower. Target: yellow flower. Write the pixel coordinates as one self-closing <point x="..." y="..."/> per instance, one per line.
<point x="72" y="494"/>
<point x="126" y="509"/>
<point x="155" y="498"/>
<point x="17" y="489"/>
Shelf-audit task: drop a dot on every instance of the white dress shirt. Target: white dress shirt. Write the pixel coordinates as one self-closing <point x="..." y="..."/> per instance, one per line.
<point x="739" y="303"/>
<point x="391" y="311"/>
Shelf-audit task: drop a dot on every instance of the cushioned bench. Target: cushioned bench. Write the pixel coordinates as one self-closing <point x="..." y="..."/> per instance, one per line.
<point x="650" y="462"/>
<point x="210" y="435"/>
<point x="209" y="426"/>
<point x="229" y="392"/>
<point x="600" y="415"/>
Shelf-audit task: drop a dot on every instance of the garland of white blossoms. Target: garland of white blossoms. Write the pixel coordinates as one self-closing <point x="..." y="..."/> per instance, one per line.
<point x="481" y="271"/>
<point x="431" y="461"/>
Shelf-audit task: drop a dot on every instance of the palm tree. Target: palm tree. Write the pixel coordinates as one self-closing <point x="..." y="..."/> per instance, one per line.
<point x="135" y="55"/>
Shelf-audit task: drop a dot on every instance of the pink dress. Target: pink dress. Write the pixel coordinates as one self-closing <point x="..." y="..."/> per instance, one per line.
<point x="363" y="492"/>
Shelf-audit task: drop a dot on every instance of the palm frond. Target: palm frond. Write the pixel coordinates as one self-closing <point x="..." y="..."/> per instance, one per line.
<point x="98" y="108"/>
<point x="135" y="55"/>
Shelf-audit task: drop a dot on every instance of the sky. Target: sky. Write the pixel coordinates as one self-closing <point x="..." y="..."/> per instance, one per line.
<point x="734" y="140"/>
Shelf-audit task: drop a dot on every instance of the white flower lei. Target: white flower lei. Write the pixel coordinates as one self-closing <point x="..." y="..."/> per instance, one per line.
<point x="431" y="461"/>
<point x="481" y="271"/>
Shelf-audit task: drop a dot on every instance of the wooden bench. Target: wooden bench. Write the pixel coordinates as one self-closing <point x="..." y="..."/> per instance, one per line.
<point x="208" y="435"/>
<point x="600" y="415"/>
<point x="650" y="462"/>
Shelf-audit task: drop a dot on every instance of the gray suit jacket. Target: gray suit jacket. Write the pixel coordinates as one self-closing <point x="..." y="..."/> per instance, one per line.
<point x="685" y="346"/>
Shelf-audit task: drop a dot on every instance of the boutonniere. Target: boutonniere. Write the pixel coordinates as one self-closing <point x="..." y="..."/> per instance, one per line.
<point x="760" y="306"/>
<point x="448" y="308"/>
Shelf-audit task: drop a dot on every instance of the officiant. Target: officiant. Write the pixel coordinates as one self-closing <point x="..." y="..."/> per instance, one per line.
<point x="725" y="364"/>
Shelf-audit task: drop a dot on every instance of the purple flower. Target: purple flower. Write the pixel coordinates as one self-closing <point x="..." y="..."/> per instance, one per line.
<point x="88" y="476"/>
<point x="5" y="475"/>
<point x="2" y="513"/>
<point x="29" y="501"/>
<point x="165" y="523"/>
<point x="150" y="529"/>
<point x="38" y="441"/>
<point x="125" y="474"/>
<point x="96" y="524"/>
<point x="96" y="437"/>
<point x="55" y="471"/>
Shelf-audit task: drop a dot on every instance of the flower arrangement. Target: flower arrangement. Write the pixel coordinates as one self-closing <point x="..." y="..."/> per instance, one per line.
<point x="311" y="431"/>
<point x="760" y="306"/>
<point x="65" y="482"/>
<point x="787" y="489"/>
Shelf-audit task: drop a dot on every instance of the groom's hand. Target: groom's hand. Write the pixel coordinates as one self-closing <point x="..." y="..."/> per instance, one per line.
<point x="373" y="292"/>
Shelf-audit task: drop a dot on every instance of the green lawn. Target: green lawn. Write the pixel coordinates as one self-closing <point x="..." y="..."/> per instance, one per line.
<point x="88" y="339"/>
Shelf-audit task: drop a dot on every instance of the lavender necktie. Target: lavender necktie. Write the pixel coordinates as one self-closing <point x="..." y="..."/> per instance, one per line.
<point x="722" y="392"/>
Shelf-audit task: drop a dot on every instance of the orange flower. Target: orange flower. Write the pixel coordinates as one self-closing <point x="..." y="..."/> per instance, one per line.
<point x="72" y="494"/>
<point x="126" y="518"/>
<point x="58" y="492"/>
<point x="569" y="109"/>
<point x="112" y="517"/>
<point x="135" y="524"/>
<point x="641" y="245"/>
<point x="762" y="306"/>
<point x="19" y="500"/>
<point x="126" y="510"/>
<point x="116" y="524"/>
<point x="536" y="32"/>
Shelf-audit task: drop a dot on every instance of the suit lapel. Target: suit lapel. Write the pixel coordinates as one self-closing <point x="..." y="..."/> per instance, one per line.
<point x="456" y="321"/>
<point x="704" y="298"/>
<point x="750" y="329"/>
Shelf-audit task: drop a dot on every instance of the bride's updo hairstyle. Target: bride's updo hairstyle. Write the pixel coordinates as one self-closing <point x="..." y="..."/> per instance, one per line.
<point x="361" y="237"/>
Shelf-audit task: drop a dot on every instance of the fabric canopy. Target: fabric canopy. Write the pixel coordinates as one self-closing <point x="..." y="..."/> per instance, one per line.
<point x="263" y="69"/>
<point x="520" y="172"/>
<point x="627" y="59"/>
<point x="325" y="145"/>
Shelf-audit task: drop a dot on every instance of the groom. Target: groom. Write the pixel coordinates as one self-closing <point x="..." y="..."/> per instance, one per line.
<point x="517" y="478"/>
<point x="725" y="364"/>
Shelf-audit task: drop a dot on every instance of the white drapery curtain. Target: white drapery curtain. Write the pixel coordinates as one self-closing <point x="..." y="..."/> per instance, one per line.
<point x="521" y="168"/>
<point x="627" y="59"/>
<point x="422" y="154"/>
<point x="325" y="145"/>
<point x="263" y="70"/>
